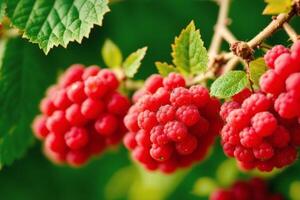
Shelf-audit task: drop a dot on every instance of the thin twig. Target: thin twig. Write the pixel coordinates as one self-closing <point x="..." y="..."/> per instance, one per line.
<point x="227" y="35"/>
<point x="221" y="22"/>
<point x="290" y="31"/>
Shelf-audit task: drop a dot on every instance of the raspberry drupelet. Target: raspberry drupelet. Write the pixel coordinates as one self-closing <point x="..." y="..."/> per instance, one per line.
<point x="171" y="126"/>
<point x="253" y="189"/>
<point x="81" y="116"/>
<point x="261" y="130"/>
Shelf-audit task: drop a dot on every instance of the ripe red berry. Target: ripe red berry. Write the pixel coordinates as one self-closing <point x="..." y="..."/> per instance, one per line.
<point x="273" y="54"/>
<point x="264" y="123"/>
<point x="271" y="82"/>
<point x="83" y="115"/>
<point x="285" y="65"/>
<point x="173" y="125"/>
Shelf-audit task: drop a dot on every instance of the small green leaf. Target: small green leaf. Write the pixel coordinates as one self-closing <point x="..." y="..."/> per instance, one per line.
<point x="275" y="7"/>
<point x="111" y="54"/>
<point x="133" y="62"/>
<point x="204" y="186"/>
<point x="189" y="54"/>
<point x="257" y="68"/>
<point x="164" y="68"/>
<point x="56" y="22"/>
<point x="229" y="84"/>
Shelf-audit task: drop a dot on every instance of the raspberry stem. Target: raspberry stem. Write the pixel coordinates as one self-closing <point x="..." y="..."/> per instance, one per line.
<point x="291" y="32"/>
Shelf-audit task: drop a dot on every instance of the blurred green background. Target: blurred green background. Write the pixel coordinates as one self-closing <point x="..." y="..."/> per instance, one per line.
<point x="133" y="24"/>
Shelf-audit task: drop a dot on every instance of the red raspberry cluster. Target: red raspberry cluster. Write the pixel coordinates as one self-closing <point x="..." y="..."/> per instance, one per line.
<point x="254" y="189"/>
<point x="170" y="125"/>
<point x="262" y="129"/>
<point x="82" y="115"/>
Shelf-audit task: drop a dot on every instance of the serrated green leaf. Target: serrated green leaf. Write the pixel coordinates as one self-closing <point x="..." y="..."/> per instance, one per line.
<point x="257" y="68"/>
<point x="229" y="84"/>
<point x="275" y="7"/>
<point x="56" y="22"/>
<point x="164" y="68"/>
<point x="189" y="54"/>
<point x="111" y="54"/>
<point x="24" y="75"/>
<point x="133" y="62"/>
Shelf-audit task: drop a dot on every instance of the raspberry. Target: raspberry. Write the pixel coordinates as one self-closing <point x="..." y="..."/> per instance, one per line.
<point x="90" y="71"/>
<point x="243" y="154"/>
<point x="73" y="74"/>
<point x="293" y="84"/>
<point x="271" y="82"/>
<point x="154" y="82"/>
<point x="242" y="95"/>
<point x="256" y="103"/>
<point x="109" y="79"/>
<point x="221" y="195"/>
<point x="117" y="104"/>
<point x="161" y="153"/>
<point x="158" y="136"/>
<point x="189" y="115"/>
<point x="187" y="146"/>
<point x="273" y="54"/>
<point x="264" y="151"/>
<point x="147" y="120"/>
<point x="95" y="87"/>
<point x="91" y="108"/>
<point x="106" y="124"/>
<point x="287" y="105"/>
<point x="238" y="118"/>
<point x="162" y="96"/>
<point x="47" y="107"/>
<point x="83" y="115"/>
<point x="74" y="116"/>
<point x="165" y="114"/>
<point x="76" y="138"/>
<point x="230" y="135"/>
<point x="181" y="96"/>
<point x="250" y="138"/>
<point x="171" y="126"/>
<point x="270" y="140"/>
<point x="57" y="123"/>
<point x="176" y="131"/>
<point x="39" y="127"/>
<point x="264" y="123"/>
<point x="173" y="80"/>
<point x="75" y="92"/>
<point x="227" y="107"/>
<point x="280" y="138"/>
<point x="285" y="65"/>
<point x="295" y="50"/>
<point x="200" y="95"/>
<point x="61" y="100"/>
<point x="255" y="188"/>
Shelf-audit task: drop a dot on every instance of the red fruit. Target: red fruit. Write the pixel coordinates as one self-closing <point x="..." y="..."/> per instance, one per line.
<point x="285" y="65"/>
<point x="250" y="138"/>
<point x="143" y="138"/>
<point x="187" y="146"/>
<point x="106" y="124"/>
<point x="238" y="118"/>
<point x="153" y="82"/>
<point x="293" y="84"/>
<point x="287" y="105"/>
<point x="165" y="114"/>
<point x="158" y="136"/>
<point x="221" y="194"/>
<point x="273" y="54"/>
<point x="264" y="151"/>
<point x="76" y="138"/>
<point x="271" y="82"/>
<point x="256" y="103"/>
<point x="161" y="153"/>
<point x="95" y="87"/>
<point x="92" y="108"/>
<point x="264" y="123"/>
<point x="83" y="115"/>
<point x="189" y="115"/>
<point x="147" y="120"/>
<point x="74" y="116"/>
<point x="173" y="80"/>
<point x="176" y="131"/>
<point x="181" y="96"/>
<point x="200" y="95"/>
<point x="75" y="92"/>
<point x="227" y="107"/>
<point x="242" y="95"/>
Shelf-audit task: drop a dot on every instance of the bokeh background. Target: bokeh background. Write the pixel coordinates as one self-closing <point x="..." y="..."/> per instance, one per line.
<point x="133" y="24"/>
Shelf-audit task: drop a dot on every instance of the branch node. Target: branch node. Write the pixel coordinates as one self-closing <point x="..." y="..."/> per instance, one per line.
<point x="243" y="50"/>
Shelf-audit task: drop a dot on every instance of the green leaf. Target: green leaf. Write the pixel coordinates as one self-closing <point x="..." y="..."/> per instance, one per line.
<point x="53" y="23"/>
<point x="275" y="7"/>
<point x="111" y="54"/>
<point x="164" y="68"/>
<point x="133" y="62"/>
<point x="229" y="84"/>
<point x="189" y="54"/>
<point x="204" y="186"/>
<point x="257" y="69"/>
<point x="24" y="75"/>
